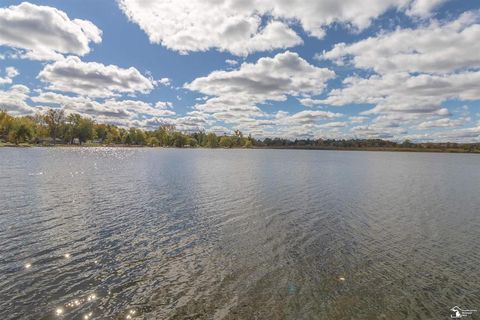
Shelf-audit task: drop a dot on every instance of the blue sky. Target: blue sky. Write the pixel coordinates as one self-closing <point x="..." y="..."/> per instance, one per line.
<point x="394" y="69"/>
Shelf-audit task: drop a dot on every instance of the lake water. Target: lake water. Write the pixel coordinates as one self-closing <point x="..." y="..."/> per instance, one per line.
<point x="90" y="233"/>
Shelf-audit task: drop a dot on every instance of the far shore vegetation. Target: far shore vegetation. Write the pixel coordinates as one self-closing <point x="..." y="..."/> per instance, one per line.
<point x="55" y="128"/>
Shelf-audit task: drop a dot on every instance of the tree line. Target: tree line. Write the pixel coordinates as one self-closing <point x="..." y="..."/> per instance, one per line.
<point x="367" y="144"/>
<point x="55" y="127"/>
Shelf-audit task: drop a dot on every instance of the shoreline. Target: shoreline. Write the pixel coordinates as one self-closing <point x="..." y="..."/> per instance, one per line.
<point x="366" y="149"/>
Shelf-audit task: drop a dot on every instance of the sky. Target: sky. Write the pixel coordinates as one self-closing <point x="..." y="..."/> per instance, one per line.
<point x="297" y="69"/>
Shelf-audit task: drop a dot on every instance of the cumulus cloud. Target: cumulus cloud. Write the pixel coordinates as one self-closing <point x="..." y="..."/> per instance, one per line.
<point x="10" y="73"/>
<point x="458" y="135"/>
<point x="376" y="132"/>
<point x="196" y="25"/>
<point x="404" y="93"/>
<point x="45" y="33"/>
<point x="415" y="71"/>
<point x="309" y="102"/>
<point x="305" y="117"/>
<point x="236" y="25"/>
<point x="267" y="79"/>
<point x="436" y="48"/>
<point x="303" y="124"/>
<point x="220" y="130"/>
<point x="14" y="100"/>
<point x="442" y="123"/>
<point x="357" y="119"/>
<point x="165" y="81"/>
<point x="334" y="124"/>
<point x="231" y="62"/>
<point x="94" y="79"/>
<point x="225" y="108"/>
<point x="108" y="110"/>
<point x="163" y="105"/>
<point x="424" y="8"/>
<point x="234" y="96"/>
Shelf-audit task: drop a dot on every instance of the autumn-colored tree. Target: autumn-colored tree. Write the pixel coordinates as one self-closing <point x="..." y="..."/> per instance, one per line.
<point x="212" y="140"/>
<point x="54" y="118"/>
<point x="22" y="130"/>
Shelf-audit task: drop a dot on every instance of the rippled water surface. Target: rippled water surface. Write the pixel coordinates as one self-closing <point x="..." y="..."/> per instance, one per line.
<point x="237" y="234"/>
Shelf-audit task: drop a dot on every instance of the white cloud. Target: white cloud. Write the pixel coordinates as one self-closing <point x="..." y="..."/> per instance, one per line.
<point x="458" y="135"/>
<point x="335" y="124"/>
<point x="231" y="62"/>
<point x="45" y="33"/>
<point x="442" y="123"/>
<point x="138" y="108"/>
<point x="404" y="93"/>
<point x="303" y="124"/>
<point x="424" y="8"/>
<point x="220" y="130"/>
<point x="309" y="102"/>
<point x="109" y="110"/>
<point x="236" y="25"/>
<point x="357" y="119"/>
<point x="10" y="73"/>
<point x="191" y="123"/>
<point x="14" y="100"/>
<point x="286" y="74"/>
<point x="377" y="132"/>
<point x="163" y="105"/>
<point x="234" y="96"/>
<point x="165" y="81"/>
<point x="196" y="25"/>
<point x="305" y="117"/>
<point x="235" y="107"/>
<point x="436" y="48"/>
<point x="94" y="79"/>
<point x="416" y="72"/>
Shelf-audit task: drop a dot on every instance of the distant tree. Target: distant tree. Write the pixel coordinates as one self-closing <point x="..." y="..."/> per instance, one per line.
<point x="85" y="130"/>
<point x="153" y="142"/>
<point x="22" y="130"/>
<point x="127" y="138"/>
<point x="192" y="142"/>
<point x="201" y="138"/>
<point x="54" y="119"/>
<point x="226" y="142"/>
<point x="162" y="135"/>
<point x="113" y="136"/>
<point x="212" y="140"/>
<point x="267" y="141"/>
<point x="407" y="143"/>
<point x="101" y="131"/>
<point x="6" y="122"/>
<point x="139" y="137"/>
<point x="40" y="127"/>
<point x="78" y="127"/>
<point x="179" y="140"/>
